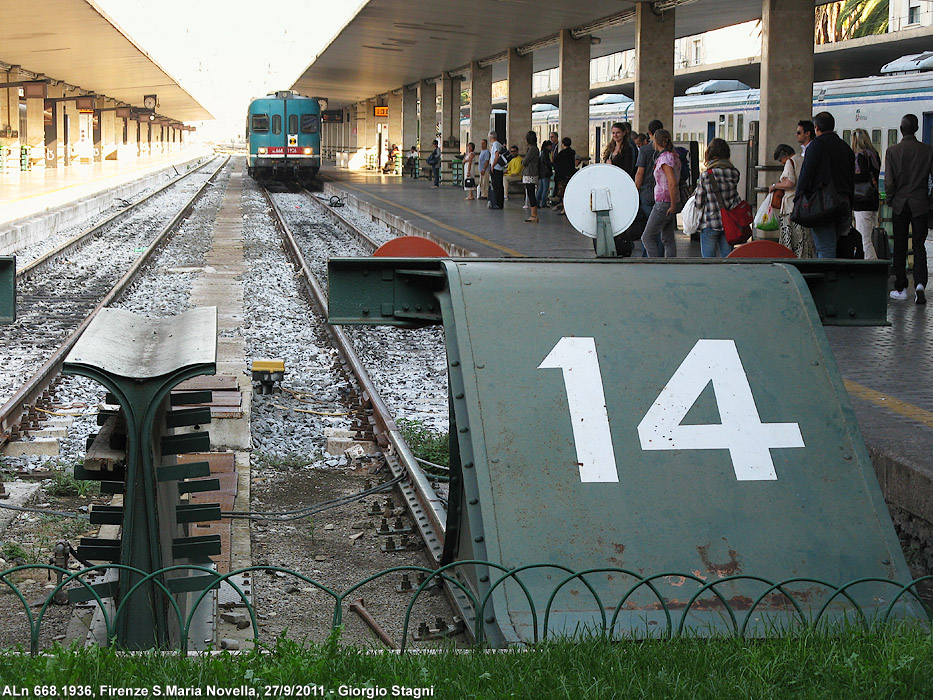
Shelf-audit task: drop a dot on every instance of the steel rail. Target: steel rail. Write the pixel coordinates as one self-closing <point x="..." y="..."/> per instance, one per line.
<point x="428" y="513"/>
<point x="11" y="413"/>
<point x="98" y="228"/>
<point x="385" y="428"/>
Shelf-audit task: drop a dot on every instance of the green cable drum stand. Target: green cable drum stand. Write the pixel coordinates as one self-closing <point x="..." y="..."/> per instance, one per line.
<point x="140" y="360"/>
<point x="668" y="424"/>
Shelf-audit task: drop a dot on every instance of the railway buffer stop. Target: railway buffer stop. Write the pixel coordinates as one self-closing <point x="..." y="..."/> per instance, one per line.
<point x="677" y="430"/>
<point x="140" y="360"/>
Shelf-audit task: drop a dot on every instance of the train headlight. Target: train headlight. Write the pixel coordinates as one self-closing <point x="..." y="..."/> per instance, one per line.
<point x="261" y="150"/>
<point x="309" y="151"/>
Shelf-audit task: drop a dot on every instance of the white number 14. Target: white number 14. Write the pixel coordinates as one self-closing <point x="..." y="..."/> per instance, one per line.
<point x="741" y="431"/>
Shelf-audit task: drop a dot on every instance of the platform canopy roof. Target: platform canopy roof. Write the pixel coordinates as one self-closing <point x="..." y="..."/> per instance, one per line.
<point x="76" y="42"/>
<point x="390" y="43"/>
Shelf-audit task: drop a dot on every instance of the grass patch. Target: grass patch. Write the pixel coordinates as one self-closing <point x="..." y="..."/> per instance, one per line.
<point x="851" y="665"/>
<point x="426" y="442"/>
<point x="64" y="485"/>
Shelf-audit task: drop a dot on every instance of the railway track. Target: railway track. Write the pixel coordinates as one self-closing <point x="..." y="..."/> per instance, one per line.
<point x="51" y="320"/>
<point x="427" y="508"/>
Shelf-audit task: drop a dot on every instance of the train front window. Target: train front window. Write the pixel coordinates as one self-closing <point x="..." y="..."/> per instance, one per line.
<point x="260" y="123"/>
<point x="310" y="123"/>
<point x="276" y="123"/>
<point x="293" y="123"/>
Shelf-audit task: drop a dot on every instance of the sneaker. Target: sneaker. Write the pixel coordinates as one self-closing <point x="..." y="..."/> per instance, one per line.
<point x="921" y="296"/>
<point x="899" y="294"/>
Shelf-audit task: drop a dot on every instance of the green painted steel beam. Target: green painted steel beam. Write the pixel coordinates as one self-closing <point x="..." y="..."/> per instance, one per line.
<point x="187" y="470"/>
<point x="82" y="595"/>
<point x="200" y="546"/>
<point x="197" y="512"/>
<point x="186" y="442"/>
<point x="188" y="416"/>
<point x="198" y="486"/>
<point x="7" y="289"/>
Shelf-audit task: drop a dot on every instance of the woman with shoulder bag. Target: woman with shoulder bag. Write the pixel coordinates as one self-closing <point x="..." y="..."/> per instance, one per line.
<point x="530" y="163"/>
<point x="866" y="202"/>
<point x="469" y="182"/>
<point x="545" y="170"/>
<point x="793" y="235"/>
<point x="718" y="183"/>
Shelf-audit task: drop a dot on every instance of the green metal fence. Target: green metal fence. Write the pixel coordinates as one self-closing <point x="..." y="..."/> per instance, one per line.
<point x="838" y="604"/>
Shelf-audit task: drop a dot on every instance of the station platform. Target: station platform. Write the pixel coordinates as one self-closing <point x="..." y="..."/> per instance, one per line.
<point x="888" y="370"/>
<point x="29" y="196"/>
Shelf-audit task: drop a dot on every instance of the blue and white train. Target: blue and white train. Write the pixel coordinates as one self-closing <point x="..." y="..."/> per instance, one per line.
<point x="283" y="132"/>
<point x="875" y="104"/>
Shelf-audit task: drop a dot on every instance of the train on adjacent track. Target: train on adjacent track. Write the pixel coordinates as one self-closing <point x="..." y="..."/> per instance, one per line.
<point x="875" y="104"/>
<point x="283" y="132"/>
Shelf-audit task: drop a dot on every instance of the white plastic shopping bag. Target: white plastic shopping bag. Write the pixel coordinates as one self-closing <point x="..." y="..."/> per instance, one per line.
<point x="767" y="219"/>
<point x="691" y="216"/>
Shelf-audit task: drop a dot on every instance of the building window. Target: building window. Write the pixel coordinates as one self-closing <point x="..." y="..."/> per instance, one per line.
<point x="913" y="14"/>
<point x="697" y="51"/>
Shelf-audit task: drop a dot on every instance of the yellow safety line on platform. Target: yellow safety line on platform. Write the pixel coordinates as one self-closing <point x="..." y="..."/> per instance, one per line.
<point x="454" y="229"/>
<point x="902" y="408"/>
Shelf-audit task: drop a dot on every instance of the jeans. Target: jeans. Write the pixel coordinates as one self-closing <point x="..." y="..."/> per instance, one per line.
<point x="544" y="187"/>
<point x="713" y="241"/>
<point x="826" y="236"/>
<point x="660" y="222"/>
<point x="497" y="189"/>
<point x="646" y="208"/>
<point x="918" y="224"/>
<point x="436" y="174"/>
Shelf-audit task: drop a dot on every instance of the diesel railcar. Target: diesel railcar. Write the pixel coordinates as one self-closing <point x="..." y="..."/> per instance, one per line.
<point x="283" y="130"/>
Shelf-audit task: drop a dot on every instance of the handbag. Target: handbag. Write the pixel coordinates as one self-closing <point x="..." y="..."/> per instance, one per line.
<point x="469" y="182"/>
<point x="776" y="198"/>
<point x="737" y="220"/>
<point x="820" y="206"/>
<point x="866" y="194"/>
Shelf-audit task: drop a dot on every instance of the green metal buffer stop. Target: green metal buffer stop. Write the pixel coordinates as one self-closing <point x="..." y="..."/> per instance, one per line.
<point x="140" y="360"/>
<point x="7" y="289"/>
<point x="667" y="426"/>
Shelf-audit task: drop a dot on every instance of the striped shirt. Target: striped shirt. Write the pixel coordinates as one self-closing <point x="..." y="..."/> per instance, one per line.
<point x="706" y="200"/>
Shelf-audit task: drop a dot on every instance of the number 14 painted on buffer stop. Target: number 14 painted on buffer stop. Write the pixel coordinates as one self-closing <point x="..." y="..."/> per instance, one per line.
<point x="741" y="431"/>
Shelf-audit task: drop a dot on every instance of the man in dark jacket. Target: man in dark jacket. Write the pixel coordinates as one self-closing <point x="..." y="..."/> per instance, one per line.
<point x="829" y="159"/>
<point x="908" y="167"/>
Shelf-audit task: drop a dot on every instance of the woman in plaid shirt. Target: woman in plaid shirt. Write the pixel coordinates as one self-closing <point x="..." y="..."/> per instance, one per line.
<point x="722" y="175"/>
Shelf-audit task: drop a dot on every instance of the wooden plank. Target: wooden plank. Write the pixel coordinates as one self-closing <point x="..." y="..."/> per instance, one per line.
<point x="100" y="456"/>
<point x="207" y="382"/>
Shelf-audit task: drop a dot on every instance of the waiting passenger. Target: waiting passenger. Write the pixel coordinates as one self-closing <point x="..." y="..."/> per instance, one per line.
<point x="908" y="167"/>
<point x="866" y="202"/>
<point x="564" y="168"/>
<point x="545" y="171"/>
<point x="805" y="134"/>
<point x="530" y="169"/>
<point x="497" y="170"/>
<point x="620" y="151"/>
<point x="644" y="178"/>
<point x="513" y="171"/>
<point x="828" y="153"/>
<point x="793" y="235"/>
<point x="663" y="217"/>
<point x="717" y="187"/>
<point x="469" y="182"/>
<point x="483" y="169"/>
<point x="434" y="160"/>
<point x="411" y="162"/>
